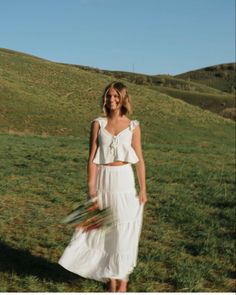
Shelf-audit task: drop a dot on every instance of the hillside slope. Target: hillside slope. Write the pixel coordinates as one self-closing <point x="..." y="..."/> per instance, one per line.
<point x="154" y="80"/>
<point x="44" y="97"/>
<point x="220" y="77"/>
<point x="191" y="91"/>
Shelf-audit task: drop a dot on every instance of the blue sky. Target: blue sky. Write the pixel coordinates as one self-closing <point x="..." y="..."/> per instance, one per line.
<point x="145" y="36"/>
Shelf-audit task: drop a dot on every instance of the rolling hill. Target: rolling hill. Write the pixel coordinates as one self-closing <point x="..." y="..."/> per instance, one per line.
<point x="45" y="97"/>
<point x="222" y="77"/>
<point x="213" y="90"/>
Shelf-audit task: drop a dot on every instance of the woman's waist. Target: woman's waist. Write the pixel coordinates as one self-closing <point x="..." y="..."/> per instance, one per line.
<point x="116" y="163"/>
<point x="116" y="166"/>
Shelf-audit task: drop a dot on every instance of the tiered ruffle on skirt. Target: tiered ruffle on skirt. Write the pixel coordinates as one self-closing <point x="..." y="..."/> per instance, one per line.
<point x="112" y="253"/>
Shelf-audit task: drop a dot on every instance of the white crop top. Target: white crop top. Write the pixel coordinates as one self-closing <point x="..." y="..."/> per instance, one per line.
<point x="115" y="147"/>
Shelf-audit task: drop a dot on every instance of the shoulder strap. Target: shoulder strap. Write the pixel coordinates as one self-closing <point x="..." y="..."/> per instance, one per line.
<point x="101" y="121"/>
<point x="133" y="124"/>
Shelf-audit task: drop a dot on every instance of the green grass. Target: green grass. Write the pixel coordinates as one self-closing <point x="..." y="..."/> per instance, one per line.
<point x="187" y="241"/>
<point x="187" y="238"/>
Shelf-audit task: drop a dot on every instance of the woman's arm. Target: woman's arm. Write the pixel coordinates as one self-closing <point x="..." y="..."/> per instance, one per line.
<point x="92" y="167"/>
<point x="140" y="165"/>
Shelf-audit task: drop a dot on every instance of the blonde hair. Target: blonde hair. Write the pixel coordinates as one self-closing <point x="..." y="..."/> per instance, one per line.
<point x="125" y="98"/>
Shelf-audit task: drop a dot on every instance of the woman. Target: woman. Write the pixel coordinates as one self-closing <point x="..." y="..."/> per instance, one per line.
<point x="115" y="144"/>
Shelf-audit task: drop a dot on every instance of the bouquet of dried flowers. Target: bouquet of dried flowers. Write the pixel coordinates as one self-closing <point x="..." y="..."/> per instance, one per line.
<point x="88" y="216"/>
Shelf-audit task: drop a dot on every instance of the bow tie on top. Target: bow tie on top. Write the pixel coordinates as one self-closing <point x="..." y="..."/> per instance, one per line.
<point x="114" y="143"/>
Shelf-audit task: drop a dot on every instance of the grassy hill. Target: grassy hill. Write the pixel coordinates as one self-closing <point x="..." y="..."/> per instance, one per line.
<point x="193" y="87"/>
<point x="157" y="80"/>
<point x="187" y="241"/>
<point x="223" y="105"/>
<point x="222" y="77"/>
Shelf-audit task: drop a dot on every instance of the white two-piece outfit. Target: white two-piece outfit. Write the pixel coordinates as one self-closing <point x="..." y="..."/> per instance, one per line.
<point x="99" y="254"/>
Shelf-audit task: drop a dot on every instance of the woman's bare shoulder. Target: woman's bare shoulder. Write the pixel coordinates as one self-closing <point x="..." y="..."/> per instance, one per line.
<point x="98" y="119"/>
<point x="97" y="122"/>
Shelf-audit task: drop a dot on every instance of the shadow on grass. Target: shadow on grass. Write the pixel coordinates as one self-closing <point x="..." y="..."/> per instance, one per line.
<point x="23" y="263"/>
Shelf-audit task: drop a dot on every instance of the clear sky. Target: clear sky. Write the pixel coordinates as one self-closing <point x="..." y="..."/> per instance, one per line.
<point x="144" y="36"/>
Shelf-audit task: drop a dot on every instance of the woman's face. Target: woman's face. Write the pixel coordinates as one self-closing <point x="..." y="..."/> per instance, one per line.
<point x="113" y="99"/>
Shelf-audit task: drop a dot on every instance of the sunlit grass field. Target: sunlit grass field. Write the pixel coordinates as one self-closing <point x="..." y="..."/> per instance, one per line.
<point x="187" y="240"/>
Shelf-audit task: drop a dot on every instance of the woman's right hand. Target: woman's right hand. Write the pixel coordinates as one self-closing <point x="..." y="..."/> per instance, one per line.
<point x="91" y="195"/>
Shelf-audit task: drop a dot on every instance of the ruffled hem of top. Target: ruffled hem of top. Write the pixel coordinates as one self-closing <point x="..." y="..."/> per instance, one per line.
<point x="105" y="155"/>
<point x="101" y="266"/>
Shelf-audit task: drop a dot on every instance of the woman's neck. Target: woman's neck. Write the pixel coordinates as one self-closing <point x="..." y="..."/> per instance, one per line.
<point x="115" y="115"/>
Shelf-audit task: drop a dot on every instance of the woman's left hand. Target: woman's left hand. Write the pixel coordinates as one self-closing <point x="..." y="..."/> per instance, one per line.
<point x="142" y="197"/>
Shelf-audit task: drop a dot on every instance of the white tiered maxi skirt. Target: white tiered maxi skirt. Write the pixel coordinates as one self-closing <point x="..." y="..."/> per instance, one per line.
<point x="100" y="254"/>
